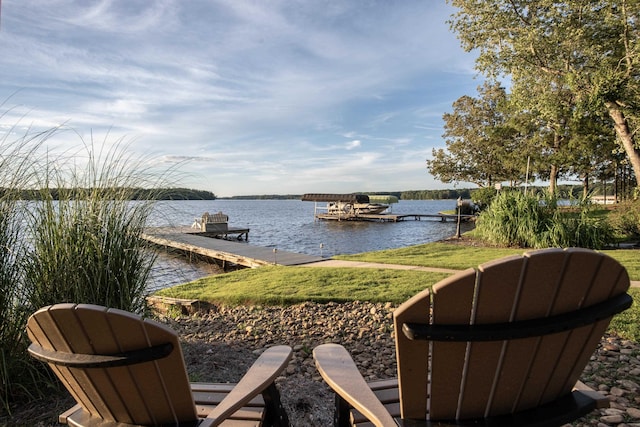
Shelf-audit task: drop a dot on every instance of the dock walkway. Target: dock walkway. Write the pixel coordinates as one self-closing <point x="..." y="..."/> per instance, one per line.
<point x="225" y="251"/>
<point x="255" y="256"/>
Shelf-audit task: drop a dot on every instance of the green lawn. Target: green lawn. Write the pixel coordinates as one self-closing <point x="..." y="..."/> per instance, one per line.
<point x="627" y="324"/>
<point x="445" y="255"/>
<point x="442" y="255"/>
<point x="279" y="285"/>
<point x="276" y="285"/>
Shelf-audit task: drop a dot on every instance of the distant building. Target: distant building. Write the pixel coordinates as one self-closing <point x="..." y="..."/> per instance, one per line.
<point x="604" y="200"/>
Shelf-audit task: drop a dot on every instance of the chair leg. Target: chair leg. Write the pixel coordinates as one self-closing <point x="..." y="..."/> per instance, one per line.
<point x="275" y="415"/>
<point x="342" y="414"/>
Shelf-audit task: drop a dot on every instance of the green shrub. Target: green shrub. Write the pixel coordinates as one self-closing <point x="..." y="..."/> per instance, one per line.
<point x="512" y="219"/>
<point x="89" y="251"/>
<point x="467" y="208"/>
<point x="625" y="219"/>
<point x="529" y="221"/>
<point x="583" y="230"/>
<point x="482" y="197"/>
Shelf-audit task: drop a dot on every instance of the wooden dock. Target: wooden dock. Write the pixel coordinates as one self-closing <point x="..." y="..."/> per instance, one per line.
<point x="392" y="217"/>
<point x="224" y="251"/>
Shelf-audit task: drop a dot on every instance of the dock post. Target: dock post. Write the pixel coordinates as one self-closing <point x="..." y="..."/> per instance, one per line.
<point x="459" y="212"/>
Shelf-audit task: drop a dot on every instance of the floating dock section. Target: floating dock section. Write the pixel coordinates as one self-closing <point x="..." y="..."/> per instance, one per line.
<point x="393" y="217"/>
<point x="361" y="207"/>
<point x="223" y="251"/>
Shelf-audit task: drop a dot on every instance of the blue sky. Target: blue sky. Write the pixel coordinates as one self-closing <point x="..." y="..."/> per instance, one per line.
<point x="251" y="97"/>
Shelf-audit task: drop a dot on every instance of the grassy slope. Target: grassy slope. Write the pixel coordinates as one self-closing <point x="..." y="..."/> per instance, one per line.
<point x="447" y="255"/>
<point x="289" y="285"/>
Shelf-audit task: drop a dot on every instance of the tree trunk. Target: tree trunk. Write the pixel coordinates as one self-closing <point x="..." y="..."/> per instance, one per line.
<point x="553" y="179"/>
<point x="555" y="170"/>
<point x="585" y="186"/>
<point x="626" y="137"/>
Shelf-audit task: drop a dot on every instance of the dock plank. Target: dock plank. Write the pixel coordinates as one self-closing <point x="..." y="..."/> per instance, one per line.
<point x="227" y="251"/>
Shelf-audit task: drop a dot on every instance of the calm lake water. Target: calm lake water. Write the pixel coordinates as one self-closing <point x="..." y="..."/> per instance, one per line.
<point x="289" y="225"/>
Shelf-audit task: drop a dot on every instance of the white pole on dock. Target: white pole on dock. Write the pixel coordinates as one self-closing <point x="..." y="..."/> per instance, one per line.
<point x="526" y="180"/>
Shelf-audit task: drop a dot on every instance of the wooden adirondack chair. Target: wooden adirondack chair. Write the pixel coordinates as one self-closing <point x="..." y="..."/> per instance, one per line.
<point x="124" y="370"/>
<point x="500" y="346"/>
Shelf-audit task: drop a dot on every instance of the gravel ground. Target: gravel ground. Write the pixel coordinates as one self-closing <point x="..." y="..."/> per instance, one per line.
<point x="220" y="344"/>
<point x="365" y="329"/>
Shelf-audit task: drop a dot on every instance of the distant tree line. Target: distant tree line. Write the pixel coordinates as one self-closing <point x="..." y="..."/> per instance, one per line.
<point x="134" y="193"/>
<point x="563" y="191"/>
<point x="402" y="195"/>
<point x="177" y="194"/>
<point x="266" y="197"/>
<point x="463" y="193"/>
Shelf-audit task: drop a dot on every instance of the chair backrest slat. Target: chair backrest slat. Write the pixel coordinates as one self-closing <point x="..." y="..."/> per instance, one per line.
<point x="149" y="393"/>
<point x="487" y="378"/>
<point x="417" y="363"/>
<point x="538" y="284"/>
<point x="532" y="289"/>
<point x="497" y="287"/>
<point x="446" y="383"/>
<point x="416" y="380"/>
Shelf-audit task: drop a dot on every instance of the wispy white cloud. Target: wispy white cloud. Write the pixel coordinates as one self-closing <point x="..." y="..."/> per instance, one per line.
<point x="353" y="144"/>
<point x="250" y="92"/>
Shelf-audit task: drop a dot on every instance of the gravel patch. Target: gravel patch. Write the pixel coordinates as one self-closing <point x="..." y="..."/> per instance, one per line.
<point x="239" y="334"/>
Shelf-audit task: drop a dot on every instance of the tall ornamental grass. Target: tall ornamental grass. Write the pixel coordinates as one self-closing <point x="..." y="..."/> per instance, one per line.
<point x="20" y="378"/>
<point x="530" y="221"/>
<point x="79" y="242"/>
<point x="89" y="250"/>
<point x="514" y="219"/>
<point x="87" y="244"/>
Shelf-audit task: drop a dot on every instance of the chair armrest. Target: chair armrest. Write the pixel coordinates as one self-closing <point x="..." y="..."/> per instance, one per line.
<point x="260" y="375"/>
<point x="87" y="361"/>
<point x="341" y="374"/>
